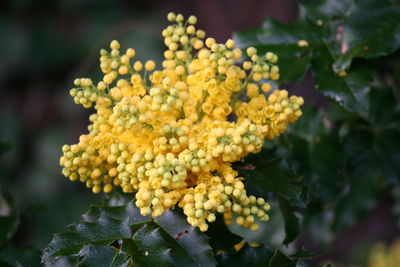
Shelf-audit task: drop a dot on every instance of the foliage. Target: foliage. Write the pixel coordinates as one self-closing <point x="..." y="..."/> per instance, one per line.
<point x="346" y="153"/>
<point x="11" y="255"/>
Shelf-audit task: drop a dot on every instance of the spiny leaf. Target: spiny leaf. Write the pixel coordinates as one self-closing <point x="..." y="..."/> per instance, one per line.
<point x="221" y="238"/>
<point x="174" y="223"/>
<point x="326" y="10"/>
<point x="349" y="35"/>
<point x="279" y="259"/>
<point x="261" y="256"/>
<point x="283" y="39"/>
<point x="292" y="228"/>
<point x="99" y="255"/>
<point x="167" y="241"/>
<point x="265" y="174"/>
<point x="350" y="90"/>
<point x="246" y="256"/>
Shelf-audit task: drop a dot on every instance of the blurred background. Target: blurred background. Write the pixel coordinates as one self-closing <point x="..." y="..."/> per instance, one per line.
<point x="46" y="44"/>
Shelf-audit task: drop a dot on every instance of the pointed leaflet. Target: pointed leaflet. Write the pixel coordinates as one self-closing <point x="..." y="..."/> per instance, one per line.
<point x="99" y="255"/>
<point x="246" y="257"/>
<point x="265" y="174"/>
<point x="139" y="235"/>
<point x="283" y="39"/>
<point x="261" y="256"/>
<point x="350" y="35"/>
<point x="317" y="153"/>
<point x="174" y="223"/>
<point x="221" y="238"/>
<point x="99" y="225"/>
<point x="349" y="91"/>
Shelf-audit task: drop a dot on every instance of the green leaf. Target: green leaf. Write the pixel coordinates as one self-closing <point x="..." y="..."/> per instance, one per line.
<point x="350" y="91"/>
<point x="292" y="228"/>
<point x="138" y="257"/>
<point x="279" y="259"/>
<point x="349" y="35"/>
<point x="385" y="129"/>
<point x="98" y="255"/>
<point x="168" y="240"/>
<point x="292" y="224"/>
<point x="246" y="256"/>
<point x="320" y="158"/>
<point x="261" y="256"/>
<point x="273" y="32"/>
<point x="264" y="173"/>
<point x="174" y="223"/>
<point x="283" y="39"/>
<point x="221" y="237"/>
<point x="295" y="260"/>
<point x="326" y="10"/>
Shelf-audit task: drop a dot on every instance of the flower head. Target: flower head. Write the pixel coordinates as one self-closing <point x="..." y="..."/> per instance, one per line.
<point x="170" y="135"/>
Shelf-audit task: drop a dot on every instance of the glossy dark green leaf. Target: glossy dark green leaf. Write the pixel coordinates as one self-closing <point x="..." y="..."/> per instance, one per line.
<point x="283" y="40"/>
<point x="194" y="242"/>
<point x="350" y="35"/>
<point x="326" y="10"/>
<point x="99" y="255"/>
<point x="261" y="256"/>
<point x="264" y="173"/>
<point x="159" y="250"/>
<point x="349" y="91"/>
<point x="138" y="257"/>
<point x="246" y="256"/>
<point x="385" y="130"/>
<point x="295" y="260"/>
<point x="169" y="240"/>
<point x="292" y="228"/>
<point x="279" y="259"/>
<point x="276" y="33"/>
<point x="221" y="238"/>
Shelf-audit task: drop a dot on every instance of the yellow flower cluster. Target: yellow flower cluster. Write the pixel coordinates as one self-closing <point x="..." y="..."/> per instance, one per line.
<point x="383" y="256"/>
<point x="171" y="135"/>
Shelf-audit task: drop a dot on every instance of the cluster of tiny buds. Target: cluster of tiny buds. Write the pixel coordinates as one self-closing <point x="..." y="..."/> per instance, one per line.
<point x="261" y="68"/>
<point x="170" y="136"/>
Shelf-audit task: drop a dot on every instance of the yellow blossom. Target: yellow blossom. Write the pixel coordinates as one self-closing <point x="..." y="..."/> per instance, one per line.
<point x="171" y="137"/>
